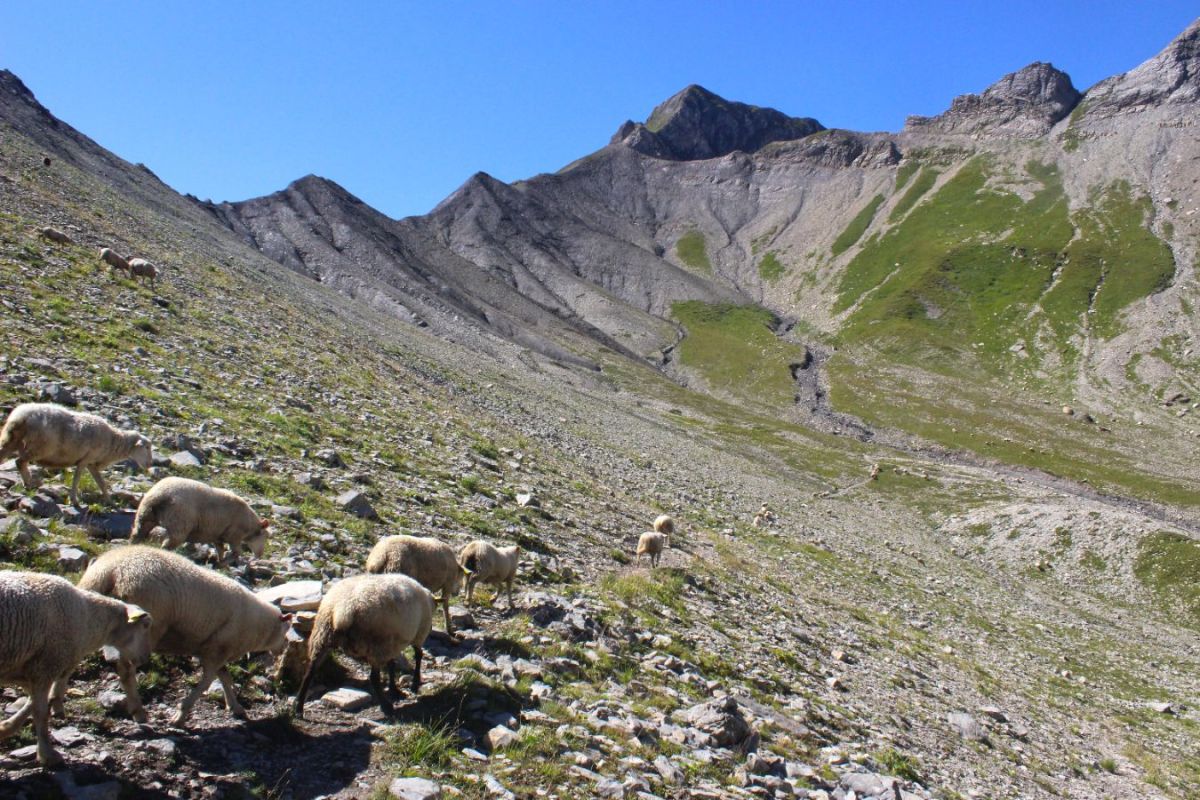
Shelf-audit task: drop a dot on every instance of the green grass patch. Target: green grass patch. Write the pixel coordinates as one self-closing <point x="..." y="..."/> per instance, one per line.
<point x="648" y="591"/>
<point x="926" y="178"/>
<point x="770" y="268"/>
<point x="1169" y="564"/>
<point x="693" y="251"/>
<point x="857" y="227"/>
<point x="736" y="350"/>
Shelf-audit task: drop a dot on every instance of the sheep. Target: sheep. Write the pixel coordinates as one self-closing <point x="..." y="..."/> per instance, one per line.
<point x="196" y="612"/>
<point x="56" y="437"/>
<point x="49" y="626"/>
<point x="371" y="618"/>
<point x="141" y="268"/>
<point x="651" y="543"/>
<point x="182" y="510"/>
<point x="428" y="561"/>
<point x="55" y="235"/>
<point x="481" y="561"/>
<point x="114" y="260"/>
<point x="664" y="524"/>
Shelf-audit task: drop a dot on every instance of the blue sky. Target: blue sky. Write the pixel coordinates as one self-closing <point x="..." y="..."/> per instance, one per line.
<point x="401" y="102"/>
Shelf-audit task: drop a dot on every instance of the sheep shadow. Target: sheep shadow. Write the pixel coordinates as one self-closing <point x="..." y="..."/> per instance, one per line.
<point x="462" y="703"/>
<point x="281" y="757"/>
<point x="76" y="780"/>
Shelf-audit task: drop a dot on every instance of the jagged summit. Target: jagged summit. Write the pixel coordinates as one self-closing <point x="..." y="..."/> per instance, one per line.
<point x="1023" y="104"/>
<point x="697" y="124"/>
<point x="1170" y="78"/>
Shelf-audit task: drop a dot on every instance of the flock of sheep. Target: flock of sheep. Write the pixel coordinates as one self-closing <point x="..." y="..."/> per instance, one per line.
<point x="134" y="600"/>
<point x="132" y="267"/>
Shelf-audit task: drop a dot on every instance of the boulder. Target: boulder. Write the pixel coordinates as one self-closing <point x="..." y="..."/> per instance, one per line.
<point x="415" y="789"/>
<point x="356" y="503"/>
<point x="719" y="721"/>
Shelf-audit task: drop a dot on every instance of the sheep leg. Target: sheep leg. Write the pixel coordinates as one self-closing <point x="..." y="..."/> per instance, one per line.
<point x="14" y="723"/>
<point x="75" y="486"/>
<point x="26" y="476"/>
<point x="511" y="603"/>
<point x="470" y="589"/>
<point x="392" y="687"/>
<point x="446" y="612"/>
<point x="231" y="701"/>
<point x="314" y="664"/>
<point x="385" y="705"/>
<point x="418" y="654"/>
<point x="133" y="701"/>
<point x="58" y="694"/>
<point x="40" y="703"/>
<point x="208" y="672"/>
<point x="92" y="468"/>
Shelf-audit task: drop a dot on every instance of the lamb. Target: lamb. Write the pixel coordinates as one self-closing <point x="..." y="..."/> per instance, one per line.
<point x="55" y="235"/>
<point x="49" y="626"/>
<point x="114" y="260"/>
<point x="141" y="268"/>
<point x="196" y="612"/>
<point x="651" y="543"/>
<point x="371" y="618"/>
<point x="56" y="437"/>
<point x="481" y="561"/>
<point x="664" y="524"/>
<point x="182" y="510"/>
<point x="426" y="560"/>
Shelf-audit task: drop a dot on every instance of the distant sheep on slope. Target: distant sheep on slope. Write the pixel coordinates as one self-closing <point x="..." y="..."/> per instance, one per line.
<point x="485" y="563"/>
<point x="141" y="268"/>
<point x="56" y="437"/>
<point x="651" y="543"/>
<point x="114" y="260"/>
<point x="55" y="235"/>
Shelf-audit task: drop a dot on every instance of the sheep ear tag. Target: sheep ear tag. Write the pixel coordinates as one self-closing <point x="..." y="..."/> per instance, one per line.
<point x="136" y="614"/>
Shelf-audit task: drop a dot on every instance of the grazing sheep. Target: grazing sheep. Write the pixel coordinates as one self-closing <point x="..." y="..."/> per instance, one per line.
<point x="55" y="235"/>
<point x="114" y="260"/>
<point x="664" y="524"/>
<point x="426" y="560"/>
<point x="56" y="437"/>
<point x="141" y="268"/>
<point x="765" y="516"/>
<point x="49" y="626"/>
<point x="182" y="510"/>
<point x="196" y="612"/>
<point x="495" y="565"/>
<point x="371" y="618"/>
<point x="651" y="543"/>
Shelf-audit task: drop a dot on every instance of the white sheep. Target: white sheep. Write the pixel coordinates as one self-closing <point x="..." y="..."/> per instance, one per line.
<point x="179" y="510"/>
<point x="56" y="437"/>
<point x="141" y="268"/>
<point x="114" y="260"/>
<point x="55" y="235"/>
<point x="481" y="562"/>
<point x="664" y="524"/>
<point x="651" y="543"/>
<point x="196" y="612"/>
<point x="428" y="561"/>
<point x="371" y="618"/>
<point x="49" y="626"/>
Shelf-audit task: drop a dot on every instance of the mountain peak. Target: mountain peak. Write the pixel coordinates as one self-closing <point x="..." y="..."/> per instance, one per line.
<point x="695" y="124"/>
<point x="1168" y="79"/>
<point x="1024" y="104"/>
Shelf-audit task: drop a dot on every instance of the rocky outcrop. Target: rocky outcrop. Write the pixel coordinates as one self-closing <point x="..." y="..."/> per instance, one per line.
<point x="1172" y="78"/>
<point x="1024" y="104"/>
<point x="696" y="124"/>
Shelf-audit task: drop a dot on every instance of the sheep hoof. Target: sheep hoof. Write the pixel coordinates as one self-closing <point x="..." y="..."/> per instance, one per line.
<point x="51" y="760"/>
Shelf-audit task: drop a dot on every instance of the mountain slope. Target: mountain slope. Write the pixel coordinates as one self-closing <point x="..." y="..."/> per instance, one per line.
<point x="962" y="627"/>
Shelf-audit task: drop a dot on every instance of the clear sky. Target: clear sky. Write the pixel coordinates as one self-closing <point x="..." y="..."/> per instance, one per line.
<point x="401" y="102"/>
